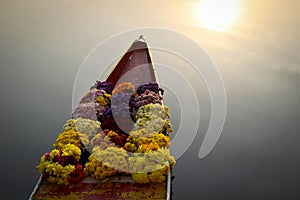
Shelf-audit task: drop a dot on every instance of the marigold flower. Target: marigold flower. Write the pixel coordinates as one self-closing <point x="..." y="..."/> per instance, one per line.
<point x="127" y="87"/>
<point x="119" y="139"/>
<point x="143" y="141"/>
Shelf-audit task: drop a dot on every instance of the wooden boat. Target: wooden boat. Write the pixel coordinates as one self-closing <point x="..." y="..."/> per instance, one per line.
<point x="138" y="61"/>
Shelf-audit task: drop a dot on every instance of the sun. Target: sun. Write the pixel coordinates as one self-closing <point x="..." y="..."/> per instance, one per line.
<point x="217" y="15"/>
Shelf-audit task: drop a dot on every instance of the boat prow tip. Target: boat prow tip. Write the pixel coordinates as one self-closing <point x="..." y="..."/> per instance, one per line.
<point x="141" y="39"/>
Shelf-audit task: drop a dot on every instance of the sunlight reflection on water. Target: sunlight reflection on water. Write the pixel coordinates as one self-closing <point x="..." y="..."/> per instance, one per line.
<point x="217" y="15"/>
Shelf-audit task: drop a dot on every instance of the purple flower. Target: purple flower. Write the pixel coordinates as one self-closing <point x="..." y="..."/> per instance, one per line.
<point x="100" y="110"/>
<point x="86" y="111"/>
<point x="145" y="98"/>
<point x="106" y="86"/>
<point x="120" y="105"/>
<point x="153" y="86"/>
<point x="89" y="97"/>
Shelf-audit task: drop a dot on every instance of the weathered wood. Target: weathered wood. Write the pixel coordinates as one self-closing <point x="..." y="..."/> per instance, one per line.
<point x="121" y="188"/>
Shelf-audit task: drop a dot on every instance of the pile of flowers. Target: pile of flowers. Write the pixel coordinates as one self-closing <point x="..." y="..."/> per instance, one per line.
<point x="141" y="141"/>
<point x="85" y="126"/>
<point x="106" y="162"/>
<point x="151" y="166"/>
<point x="153" y="118"/>
<point x="61" y="166"/>
<point x="108" y="138"/>
<point x="71" y="137"/>
<point x="113" y="131"/>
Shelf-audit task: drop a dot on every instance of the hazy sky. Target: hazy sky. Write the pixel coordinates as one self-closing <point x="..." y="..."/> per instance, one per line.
<point x="43" y="43"/>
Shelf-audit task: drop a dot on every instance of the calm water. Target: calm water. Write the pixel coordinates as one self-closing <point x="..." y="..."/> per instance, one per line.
<point x="42" y="45"/>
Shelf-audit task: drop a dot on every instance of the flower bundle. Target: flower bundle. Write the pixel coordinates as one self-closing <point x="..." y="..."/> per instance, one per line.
<point x="141" y="141"/>
<point x="104" y="100"/>
<point x="117" y="117"/>
<point x="153" y="118"/>
<point x="93" y="105"/>
<point x="146" y="93"/>
<point x="152" y="86"/>
<point x="61" y="166"/>
<point x="106" y="162"/>
<point x="108" y="138"/>
<point x="145" y="98"/>
<point x="127" y="87"/>
<point x="106" y="86"/>
<point x="152" y="166"/>
<point x="85" y="126"/>
<point x="71" y="137"/>
<point x="149" y="141"/>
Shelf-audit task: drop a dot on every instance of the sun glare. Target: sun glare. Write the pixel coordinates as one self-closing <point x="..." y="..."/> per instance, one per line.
<point x="217" y="15"/>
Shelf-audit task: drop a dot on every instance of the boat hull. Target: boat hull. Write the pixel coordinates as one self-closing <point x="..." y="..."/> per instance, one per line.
<point x="120" y="187"/>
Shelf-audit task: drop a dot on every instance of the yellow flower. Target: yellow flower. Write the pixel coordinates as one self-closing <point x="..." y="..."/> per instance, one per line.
<point x="153" y="109"/>
<point x="56" y="172"/>
<point x="86" y="127"/>
<point x="113" y="157"/>
<point x="141" y="141"/>
<point x="124" y="87"/>
<point x="152" y="146"/>
<point x="71" y="150"/>
<point x="104" y="100"/>
<point x="157" y="176"/>
<point x="151" y="161"/>
<point x="140" y="177"/>
<point x="70" y="137"/>
<point x="97" y="169"/>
